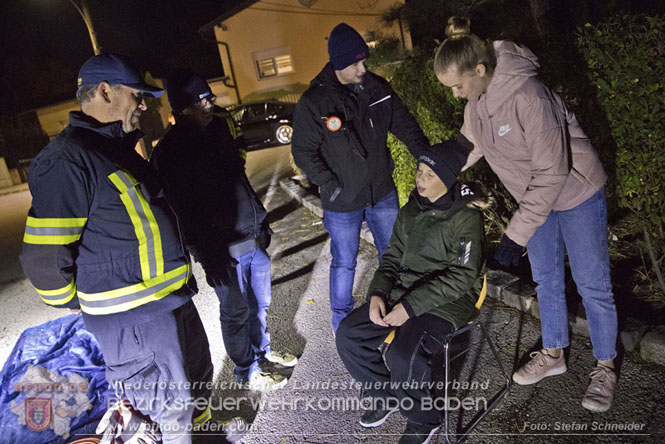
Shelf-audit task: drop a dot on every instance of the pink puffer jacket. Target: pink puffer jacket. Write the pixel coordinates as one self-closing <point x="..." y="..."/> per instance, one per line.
<point x="532" y="142"/>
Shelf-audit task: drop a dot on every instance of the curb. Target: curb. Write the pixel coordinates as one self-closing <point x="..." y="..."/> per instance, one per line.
<point x="508" y="289"/>
<point x="14" y="189"/>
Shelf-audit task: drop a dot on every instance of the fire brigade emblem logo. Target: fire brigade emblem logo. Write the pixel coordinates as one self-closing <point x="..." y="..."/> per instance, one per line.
<point x="38" y="413"/>
<point x="333" y="123"/>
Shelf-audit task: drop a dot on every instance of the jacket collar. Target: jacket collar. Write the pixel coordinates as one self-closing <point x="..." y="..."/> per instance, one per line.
<point x="328" y="78"/>
<point x="459" y="196"/>
<point x="113" y="130"/>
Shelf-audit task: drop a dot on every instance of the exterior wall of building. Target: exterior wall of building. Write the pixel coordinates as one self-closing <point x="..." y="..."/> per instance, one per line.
<point x="54" y="118"/>
<point x="265" y="28"/>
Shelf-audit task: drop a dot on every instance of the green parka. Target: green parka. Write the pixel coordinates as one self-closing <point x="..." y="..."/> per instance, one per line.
<point x="434" y="261"/>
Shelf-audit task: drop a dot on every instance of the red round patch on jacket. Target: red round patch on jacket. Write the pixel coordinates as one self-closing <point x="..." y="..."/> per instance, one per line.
<point x="333" y="123"/>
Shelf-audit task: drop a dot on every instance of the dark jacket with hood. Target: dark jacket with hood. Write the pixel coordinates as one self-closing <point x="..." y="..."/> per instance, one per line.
<point x="100" y="234"/>
<point x="434" y="261"/>
<point x="351" y="164"/>
<point x="206" y="182"/>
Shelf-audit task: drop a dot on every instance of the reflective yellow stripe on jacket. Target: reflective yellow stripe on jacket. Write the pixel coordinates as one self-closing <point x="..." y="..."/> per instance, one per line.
<point x="58" y="296"/>
<point x="123" y="299"/>
<point x="145" y="225"/>
<point x="156" y="284"/>
<point x="53" y="231"/>
<point x="204" y="417"/>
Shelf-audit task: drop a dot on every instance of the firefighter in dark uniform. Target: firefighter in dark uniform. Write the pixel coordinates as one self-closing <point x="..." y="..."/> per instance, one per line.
<point x="100" y="238"/>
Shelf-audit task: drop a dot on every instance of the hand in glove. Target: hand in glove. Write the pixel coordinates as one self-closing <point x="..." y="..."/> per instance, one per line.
<point x="509" y="253"/>
<point x="264" y="238"/>
<point x="220" y="271"/>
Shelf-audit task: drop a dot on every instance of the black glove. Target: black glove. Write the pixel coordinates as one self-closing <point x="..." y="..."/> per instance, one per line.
<point x="263" y="239"/>
<point x="509" y="253"/>
<point x="220" y="271"/>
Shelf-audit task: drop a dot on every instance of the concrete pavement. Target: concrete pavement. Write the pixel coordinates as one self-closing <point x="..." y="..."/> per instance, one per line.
<point x="317" y="405"/>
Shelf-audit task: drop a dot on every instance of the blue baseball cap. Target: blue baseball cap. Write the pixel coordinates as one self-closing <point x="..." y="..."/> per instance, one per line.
<point x="116" y="70"/>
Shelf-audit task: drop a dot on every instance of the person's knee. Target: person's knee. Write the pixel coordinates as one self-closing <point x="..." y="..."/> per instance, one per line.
<point x="234" y="315"/>
<point x="343" y="334"/>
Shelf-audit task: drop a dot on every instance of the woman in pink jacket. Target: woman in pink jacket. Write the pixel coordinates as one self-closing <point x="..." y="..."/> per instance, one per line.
<point x="538" y="150"/>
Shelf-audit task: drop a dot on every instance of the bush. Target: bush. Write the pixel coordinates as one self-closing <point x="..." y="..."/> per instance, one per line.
<point x="625" y="57"/>
<point x="440" y="116"/>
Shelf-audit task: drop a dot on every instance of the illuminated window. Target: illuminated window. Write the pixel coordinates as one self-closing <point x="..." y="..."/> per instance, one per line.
<point x="273" y="63"/>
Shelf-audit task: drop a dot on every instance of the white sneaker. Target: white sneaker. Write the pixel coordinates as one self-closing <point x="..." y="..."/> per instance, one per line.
<point x="281" y="358"/>
<point x="266" y="381"/>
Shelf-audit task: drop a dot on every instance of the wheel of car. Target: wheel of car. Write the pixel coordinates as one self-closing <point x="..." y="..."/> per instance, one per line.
<point x="283" y="134"/>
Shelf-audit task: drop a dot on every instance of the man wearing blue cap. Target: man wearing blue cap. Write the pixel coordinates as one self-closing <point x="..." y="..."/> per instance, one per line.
<point x="100" y="239"/>
<point x="340" y="127"/>
<point x="224" y="223"/>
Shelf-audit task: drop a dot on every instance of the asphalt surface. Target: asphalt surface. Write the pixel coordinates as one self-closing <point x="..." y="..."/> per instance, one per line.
<point x="317" y="405"/>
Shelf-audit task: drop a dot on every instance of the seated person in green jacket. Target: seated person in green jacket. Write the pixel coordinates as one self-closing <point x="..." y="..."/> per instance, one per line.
<point x="426" y="286"/>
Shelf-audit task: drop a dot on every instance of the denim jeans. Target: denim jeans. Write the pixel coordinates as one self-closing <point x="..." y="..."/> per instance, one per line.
<point x="244" y="313"/>
<point x="344" y="229"/>
<point x="582" y="231"/>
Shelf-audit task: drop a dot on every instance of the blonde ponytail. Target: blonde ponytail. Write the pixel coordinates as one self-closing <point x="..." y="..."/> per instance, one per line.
<point x="462" y="51"/>
<point x="458" y="27"/>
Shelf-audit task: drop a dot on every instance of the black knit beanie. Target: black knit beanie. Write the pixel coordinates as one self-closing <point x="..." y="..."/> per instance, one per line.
<point x="446" y="159"/>
<point x="185" y="87"/>
<point x="346" y="47"/>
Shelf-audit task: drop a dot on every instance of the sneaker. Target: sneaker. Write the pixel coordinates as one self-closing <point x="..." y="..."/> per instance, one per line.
<point x="374" y="418"/>
<point x="234" y="429"/>
<point x="540" y="366"/>
<point x="281" y="358"/>
<point x="212" y="431"/>
<point x="600" y="393"/>
<point x="417" y="433"/>
<point x="266" y="381"/>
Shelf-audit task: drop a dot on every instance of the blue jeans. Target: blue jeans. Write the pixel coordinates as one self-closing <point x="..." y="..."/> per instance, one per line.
<point x="244" y="313"/>
<point x="582" y="231"/>
<point x="344" y="229"/>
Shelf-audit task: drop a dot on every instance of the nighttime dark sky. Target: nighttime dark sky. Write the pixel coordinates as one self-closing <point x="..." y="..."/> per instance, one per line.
<point x="44" y="42"/>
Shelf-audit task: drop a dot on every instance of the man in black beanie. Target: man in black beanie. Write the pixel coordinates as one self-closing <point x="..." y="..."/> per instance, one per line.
<point x="224" y="224"/>
<point x="340" y="127"/>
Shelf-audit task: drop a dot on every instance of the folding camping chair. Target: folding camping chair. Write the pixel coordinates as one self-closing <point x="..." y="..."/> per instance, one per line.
<point x="474" y="323"/>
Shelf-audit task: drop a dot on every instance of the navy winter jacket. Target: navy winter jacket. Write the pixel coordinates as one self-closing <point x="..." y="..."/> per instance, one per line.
<point x="339" y="139"/>
<point x="206" y="182"/>
<point x="99" y="235"/>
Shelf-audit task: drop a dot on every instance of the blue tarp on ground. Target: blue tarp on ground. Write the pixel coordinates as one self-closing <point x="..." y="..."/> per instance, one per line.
<point x="52" y="386"/>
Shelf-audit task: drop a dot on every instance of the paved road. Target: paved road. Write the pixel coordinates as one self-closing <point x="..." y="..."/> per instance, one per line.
<point x="14" y="206"/>
<point x="305" y="410"/>
<point x="311" y="409"/>
<point x="20" y="307"/>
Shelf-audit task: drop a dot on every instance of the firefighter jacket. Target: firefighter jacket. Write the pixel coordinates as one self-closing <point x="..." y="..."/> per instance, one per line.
<point x="433" y="263"/>
<point x="339" y="139"/>
<point x="206" y="182"/>
<point x="98" y="234"/>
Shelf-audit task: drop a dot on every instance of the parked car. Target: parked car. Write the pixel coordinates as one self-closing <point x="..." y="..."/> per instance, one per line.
<point x="264" y="124"/>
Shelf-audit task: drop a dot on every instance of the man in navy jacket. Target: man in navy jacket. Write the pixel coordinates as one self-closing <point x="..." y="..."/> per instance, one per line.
<point x="100" y="238"/>
<point x="340" y="127"/>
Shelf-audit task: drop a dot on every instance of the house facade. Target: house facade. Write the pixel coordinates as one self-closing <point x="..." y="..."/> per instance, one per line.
<point x="274" y="48"/>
